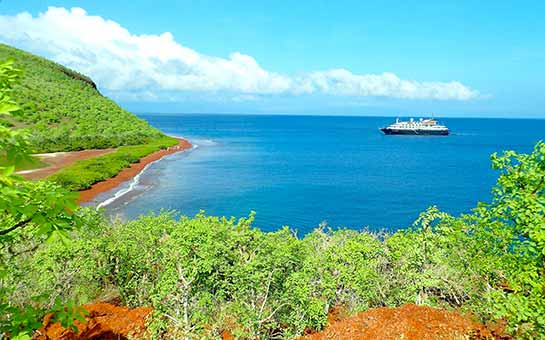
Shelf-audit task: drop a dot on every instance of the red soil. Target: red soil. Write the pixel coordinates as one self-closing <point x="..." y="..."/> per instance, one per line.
<point x="57" y="161"/>
<point x="109" y="322"/>
<point x="226" y="335"/>
<point x="104" y="321"/>
<point x="128" y="173"/>
<point x="405" y="322"/>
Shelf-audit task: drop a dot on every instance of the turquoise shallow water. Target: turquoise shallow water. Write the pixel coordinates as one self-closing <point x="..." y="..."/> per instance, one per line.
<point x="302" y="170"/>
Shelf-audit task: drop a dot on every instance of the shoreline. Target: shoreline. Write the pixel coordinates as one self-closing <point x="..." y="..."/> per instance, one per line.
<point x="132" y="171"/>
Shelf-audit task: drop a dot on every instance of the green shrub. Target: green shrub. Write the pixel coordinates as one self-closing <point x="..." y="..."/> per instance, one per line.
<point x="30" y="212"/>
<point x="83" y="174"/>
<point x="207" y="274"/>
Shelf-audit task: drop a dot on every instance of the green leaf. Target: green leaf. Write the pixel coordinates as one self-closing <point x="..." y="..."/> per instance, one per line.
<point x="7" y="171"/>
<point x="8" y="108"/>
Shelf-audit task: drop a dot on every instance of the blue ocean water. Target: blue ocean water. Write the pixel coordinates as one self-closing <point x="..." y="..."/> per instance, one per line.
<point x="300" y="171"/>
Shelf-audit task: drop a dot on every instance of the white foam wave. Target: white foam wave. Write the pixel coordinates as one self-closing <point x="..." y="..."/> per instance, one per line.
<point x="206" y="142"/>
<point x="135" y="181"/>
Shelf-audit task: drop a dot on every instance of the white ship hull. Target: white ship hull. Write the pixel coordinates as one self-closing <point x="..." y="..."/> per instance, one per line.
<point x="415" y="132"/>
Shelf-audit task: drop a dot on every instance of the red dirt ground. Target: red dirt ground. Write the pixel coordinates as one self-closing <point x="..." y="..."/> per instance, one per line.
<point x="109" y="322"/>
<point x="104" y="321"/>
<point x="130" y="172"/>
<point x="405" y="322"/>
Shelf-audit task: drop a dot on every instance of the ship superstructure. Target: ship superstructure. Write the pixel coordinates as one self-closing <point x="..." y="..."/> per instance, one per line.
<point x="416" y="127"/>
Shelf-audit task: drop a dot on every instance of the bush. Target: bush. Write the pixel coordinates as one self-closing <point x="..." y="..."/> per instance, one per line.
<point x="83" y="174"/>
<point x="204" y="275"/>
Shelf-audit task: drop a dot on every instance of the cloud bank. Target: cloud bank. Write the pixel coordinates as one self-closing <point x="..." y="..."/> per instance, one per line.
<point x="148" y="67"/>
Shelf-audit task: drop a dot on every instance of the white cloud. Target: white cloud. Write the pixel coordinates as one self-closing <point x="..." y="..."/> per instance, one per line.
<point x="343" y="82"/>
<point x="150" y="66"/>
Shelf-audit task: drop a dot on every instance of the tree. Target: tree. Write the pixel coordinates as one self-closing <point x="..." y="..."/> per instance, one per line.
<point x="30" y="212"/>
<point x="518" y="210"/>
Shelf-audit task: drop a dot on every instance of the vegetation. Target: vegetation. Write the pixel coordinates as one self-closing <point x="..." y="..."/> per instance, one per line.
<point x="28" y="163"/>
<point x="85" y="173"/>
<point x="34" y="212"/>
<point x="29" y="214"/>
<point x="64" y="110"/>
<point x="207" y="274"/>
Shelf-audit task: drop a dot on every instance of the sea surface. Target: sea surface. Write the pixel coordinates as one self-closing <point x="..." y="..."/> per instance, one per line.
<point x="300" y="171"/>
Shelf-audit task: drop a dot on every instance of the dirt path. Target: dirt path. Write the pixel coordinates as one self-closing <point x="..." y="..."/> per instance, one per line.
<point x="130" y="172"/>
<point x="58" y="160"/>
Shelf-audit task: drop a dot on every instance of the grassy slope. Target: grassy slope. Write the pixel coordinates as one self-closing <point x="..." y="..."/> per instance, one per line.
<point x="64" y="110"/>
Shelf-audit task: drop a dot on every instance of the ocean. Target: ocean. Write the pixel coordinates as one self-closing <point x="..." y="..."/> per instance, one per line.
<point x="303" y="171"/>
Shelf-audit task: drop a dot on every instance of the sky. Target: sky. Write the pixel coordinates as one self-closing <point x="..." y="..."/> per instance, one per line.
<point x="452" y="58"/>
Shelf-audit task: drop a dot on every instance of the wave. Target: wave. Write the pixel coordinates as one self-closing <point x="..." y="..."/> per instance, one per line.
<point x="136" y="180"/>
<point x="205" y="142"/>
<point x="132" y="186"/>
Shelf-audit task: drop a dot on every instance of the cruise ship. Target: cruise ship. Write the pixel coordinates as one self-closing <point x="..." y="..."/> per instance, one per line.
<point x="416" y="127"/>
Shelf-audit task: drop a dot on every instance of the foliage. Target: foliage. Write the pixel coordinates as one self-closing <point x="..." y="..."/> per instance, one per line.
<point x="29" y="212"/>
<point x="518" y="209"/>
<point x="31" y="162"/>
<point x="204" y="275"/>
<point x="33" y="212"/>
<point x="64" y="111"/>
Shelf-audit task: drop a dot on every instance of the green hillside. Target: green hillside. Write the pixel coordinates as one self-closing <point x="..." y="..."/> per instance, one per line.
<point x="64" y="110"/>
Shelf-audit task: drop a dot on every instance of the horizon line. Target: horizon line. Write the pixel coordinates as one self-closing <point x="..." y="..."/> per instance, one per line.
<point x="332" y="115"/>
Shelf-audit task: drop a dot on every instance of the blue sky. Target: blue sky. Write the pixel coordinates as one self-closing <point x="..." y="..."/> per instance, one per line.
<point x="456" y="58"/>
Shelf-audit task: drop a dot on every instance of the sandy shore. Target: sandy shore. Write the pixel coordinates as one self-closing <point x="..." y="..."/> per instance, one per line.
<point x="128" y="173"/>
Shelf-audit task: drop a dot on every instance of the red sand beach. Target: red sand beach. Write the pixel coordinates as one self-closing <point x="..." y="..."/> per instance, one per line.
<point x="128" y="173"/>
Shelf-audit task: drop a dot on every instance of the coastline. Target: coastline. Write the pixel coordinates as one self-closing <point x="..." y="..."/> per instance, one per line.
<point x="133" y="170"/>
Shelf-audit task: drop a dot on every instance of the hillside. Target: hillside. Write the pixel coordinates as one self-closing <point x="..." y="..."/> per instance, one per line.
<point x="64" y="110"/>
